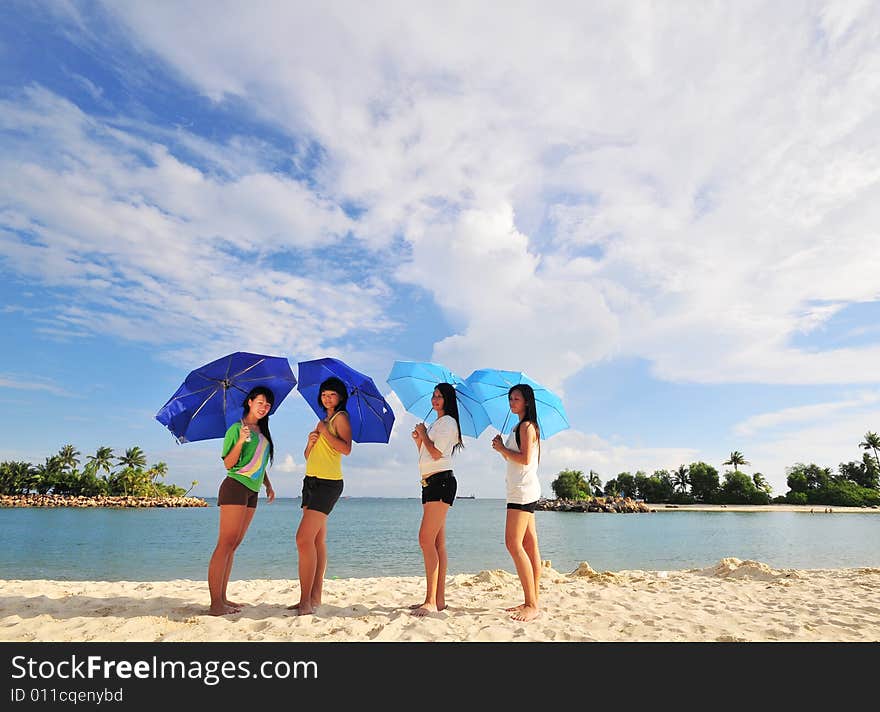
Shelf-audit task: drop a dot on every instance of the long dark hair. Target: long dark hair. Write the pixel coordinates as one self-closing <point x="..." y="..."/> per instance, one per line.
<point x="531" y="414"/>
<point x="264" y="421"/>
<point x="450" y="407"/>
<point x="336" y="385"/>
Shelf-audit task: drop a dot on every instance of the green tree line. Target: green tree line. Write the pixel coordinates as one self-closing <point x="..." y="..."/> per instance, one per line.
<point x="855" y="484"/>
<point x="101" y="474"/>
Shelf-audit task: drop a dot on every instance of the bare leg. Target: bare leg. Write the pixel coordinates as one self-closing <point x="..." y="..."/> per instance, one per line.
<point x="530" y="545"/>
<point x="433" y="521"/>
<point x="307" y="536"/>
<point x="320" y="565"/>
<point x="248" y="517"/>
<point x="232" y="517"/>
<point x="514" y="533"/>
<point x="442" y="565"/>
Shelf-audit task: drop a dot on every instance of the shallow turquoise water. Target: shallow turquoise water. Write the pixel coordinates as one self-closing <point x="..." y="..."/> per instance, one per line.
<point x="378" y="537"/>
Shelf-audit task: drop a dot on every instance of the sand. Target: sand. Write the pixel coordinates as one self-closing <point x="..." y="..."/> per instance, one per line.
<point x="734" y="600"/>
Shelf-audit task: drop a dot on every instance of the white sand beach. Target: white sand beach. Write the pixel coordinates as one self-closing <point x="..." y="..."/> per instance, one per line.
<point x="734" y="600"/>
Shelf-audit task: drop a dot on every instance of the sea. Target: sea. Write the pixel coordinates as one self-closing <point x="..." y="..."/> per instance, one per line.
<point x="370" y="537"/>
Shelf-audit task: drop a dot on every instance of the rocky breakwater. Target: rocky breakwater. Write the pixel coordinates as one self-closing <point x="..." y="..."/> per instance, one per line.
<point x="612" y="505"/>
<point x="60" y="500"/>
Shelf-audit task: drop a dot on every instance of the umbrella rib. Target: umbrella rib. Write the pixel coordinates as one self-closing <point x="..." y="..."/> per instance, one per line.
<point x="204" y="403"/>
<point x="253" y="365"/>
<point x="364" y="400"/>
<point x="267" y="377"/>
<point x="190" y="393"/>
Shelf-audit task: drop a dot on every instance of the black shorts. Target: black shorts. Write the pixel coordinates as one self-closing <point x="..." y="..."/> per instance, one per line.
<point x="320" y="494"/>
<point x="234" y="492"/>
<point x="439" y="487"/>
<point x="530" y="507"/>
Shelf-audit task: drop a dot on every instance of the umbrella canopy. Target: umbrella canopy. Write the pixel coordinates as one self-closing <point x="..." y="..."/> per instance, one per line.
<point x="491" y="387"/>
<point x="414" y="383"/>
<point x="212" y="396"/>
<point x="369" y="413"/>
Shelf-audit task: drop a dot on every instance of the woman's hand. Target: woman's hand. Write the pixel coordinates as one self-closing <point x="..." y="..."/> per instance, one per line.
<point x="497" y="444"/>
<point x="244" y="434"/>
<point x="270" y="493"/>
<point x="313" y="437"/>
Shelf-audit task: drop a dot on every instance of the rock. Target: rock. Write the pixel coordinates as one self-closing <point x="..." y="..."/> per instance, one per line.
<point x="59" y="500"/>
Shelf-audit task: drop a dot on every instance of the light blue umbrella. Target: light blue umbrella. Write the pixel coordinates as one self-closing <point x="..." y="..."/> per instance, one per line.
<point x="491" y="387"/>
<point x="414" y="383"/>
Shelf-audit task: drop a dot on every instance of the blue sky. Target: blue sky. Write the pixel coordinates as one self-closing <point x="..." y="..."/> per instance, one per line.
<point x="667" y="213"/>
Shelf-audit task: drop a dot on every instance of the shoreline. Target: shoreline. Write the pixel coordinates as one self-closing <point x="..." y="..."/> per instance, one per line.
<point x="130" y="502"/>
<point x="807" y="508"/>
<point x="732" y="601"/>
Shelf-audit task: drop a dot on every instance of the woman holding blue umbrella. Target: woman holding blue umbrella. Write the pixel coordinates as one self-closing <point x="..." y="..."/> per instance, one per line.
<point x="522" y="450"/>
<point x="436" y="445"/>
<point x="322" y="487"/>
<point x="247" y="453"/>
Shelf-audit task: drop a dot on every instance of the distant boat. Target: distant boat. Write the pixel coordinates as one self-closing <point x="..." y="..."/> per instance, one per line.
<point x="466" y="496"/>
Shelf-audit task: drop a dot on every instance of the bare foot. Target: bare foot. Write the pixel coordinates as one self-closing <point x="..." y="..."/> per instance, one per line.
<point x="305" y="609"/>
<point x="297" y="606"/>
<point x="515" y="608"/>
<point x="424" y="610"/>
<point x="234" y="604"/>
<point x="223" y="610"/>
<point x="526" y="613"/>
<point x="439" y="607"/>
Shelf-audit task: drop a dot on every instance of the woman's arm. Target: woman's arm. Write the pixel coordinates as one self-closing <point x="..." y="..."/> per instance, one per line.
<point x="526" y="438"/>
<point x="270" y="492"/>
<point x="310" y="443"/>
<point x="423" y="439"/>
<point x="341" y="442"/>
<point x="231" y="457"/>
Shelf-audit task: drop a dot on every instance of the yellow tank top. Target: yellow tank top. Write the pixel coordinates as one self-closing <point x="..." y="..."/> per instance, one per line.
<point x="324" y="460"/>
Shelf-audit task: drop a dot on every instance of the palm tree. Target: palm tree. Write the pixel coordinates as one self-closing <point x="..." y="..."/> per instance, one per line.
<point x="761" y="483"/>
<point x="159" y="470"/>
<point x="134" y="457"/>
<point x="68" y="457"/>
<point x="102" y="459"/>
<point x="872" y="442"/>
<point x="47" y="475"/>
<point x="681" y="479"/>
<point x="736" y="459"/>
<point x="594" y="482"/>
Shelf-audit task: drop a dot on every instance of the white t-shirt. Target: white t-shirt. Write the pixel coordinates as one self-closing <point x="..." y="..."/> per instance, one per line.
<point x="523" y="486"/>
<point x="443" y="432"/>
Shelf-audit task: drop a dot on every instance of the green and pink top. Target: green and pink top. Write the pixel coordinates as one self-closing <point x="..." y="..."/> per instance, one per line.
<point x="251" y="466"/>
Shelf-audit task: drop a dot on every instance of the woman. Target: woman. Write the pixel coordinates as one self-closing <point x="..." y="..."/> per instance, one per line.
<point x="247" y="451"/>
<point x="436" y="446"/>
<point x="522" y="452"/>
<point x="322" y="486"/>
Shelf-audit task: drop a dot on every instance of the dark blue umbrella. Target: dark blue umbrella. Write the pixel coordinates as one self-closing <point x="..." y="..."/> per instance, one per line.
<point x="414" y="383"/>
<point x="370" y="415"/>
<point x="491" y="387"/>
<point x="212" y="396"/>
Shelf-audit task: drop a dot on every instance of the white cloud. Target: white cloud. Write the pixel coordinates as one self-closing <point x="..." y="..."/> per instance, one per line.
<point x="32" y="383"/>
<point x="818" y="413"/>
<point x="159" y="251"/>
<point x="287" y="465"/>
<point x="726" y="163"/>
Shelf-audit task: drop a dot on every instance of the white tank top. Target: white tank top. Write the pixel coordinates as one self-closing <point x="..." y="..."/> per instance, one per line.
<point x="523" y="486"/>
